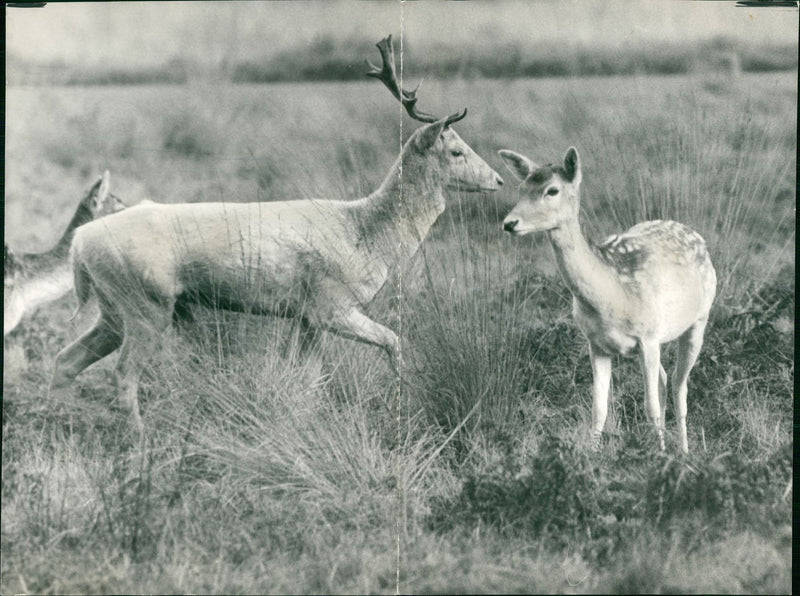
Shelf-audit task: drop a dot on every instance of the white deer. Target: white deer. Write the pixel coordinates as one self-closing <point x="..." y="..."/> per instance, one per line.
<point x="637" y="290"/>
<point x="316" y="260"/>
<point x="33" y="279"/>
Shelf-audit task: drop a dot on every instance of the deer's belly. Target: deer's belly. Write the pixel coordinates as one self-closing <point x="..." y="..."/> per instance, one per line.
<point x="255" y="287"/>
<point x="291" y="284"/>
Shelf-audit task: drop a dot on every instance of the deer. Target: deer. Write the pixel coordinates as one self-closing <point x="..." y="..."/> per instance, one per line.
<point x="31" y="280"/>
<point x="637" y="290"/>
<point x="318" y="261"/>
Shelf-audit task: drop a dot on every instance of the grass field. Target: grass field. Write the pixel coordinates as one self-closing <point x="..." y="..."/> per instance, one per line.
<point x="267" y="472"/>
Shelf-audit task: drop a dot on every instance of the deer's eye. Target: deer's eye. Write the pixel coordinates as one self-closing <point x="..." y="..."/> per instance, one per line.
<point x="552" y="191"/>
<point x="456" y="153"/>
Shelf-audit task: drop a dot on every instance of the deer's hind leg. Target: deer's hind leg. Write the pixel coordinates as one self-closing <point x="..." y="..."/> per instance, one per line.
<point x="662" y="394"/>
<point x="144" y="329"/>
<point x="99" y="341"/>
<point x="689" y="345"/>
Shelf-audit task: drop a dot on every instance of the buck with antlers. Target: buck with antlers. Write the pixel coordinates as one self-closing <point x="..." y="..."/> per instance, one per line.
<point x="33" y="279"/>
<point x="316" y="260"/>
<point x="637" y="290"/>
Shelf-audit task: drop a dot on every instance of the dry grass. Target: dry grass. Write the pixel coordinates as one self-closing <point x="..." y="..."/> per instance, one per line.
<point x="268" y="472"/>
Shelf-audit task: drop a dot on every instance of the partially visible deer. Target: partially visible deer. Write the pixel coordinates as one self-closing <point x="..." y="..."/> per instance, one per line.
<point x="637" y="290"/>
<point x="33" y="279"/>
<point x="316" y="260"/>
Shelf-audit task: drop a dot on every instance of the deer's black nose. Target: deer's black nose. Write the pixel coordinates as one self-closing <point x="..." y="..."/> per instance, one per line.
<point x="509" y="226"/>
<point x="499" y="181"/>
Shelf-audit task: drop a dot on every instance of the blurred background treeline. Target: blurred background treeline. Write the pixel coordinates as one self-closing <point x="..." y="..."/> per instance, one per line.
<point x="327" y="58"/>
<point x="138" y="43"/>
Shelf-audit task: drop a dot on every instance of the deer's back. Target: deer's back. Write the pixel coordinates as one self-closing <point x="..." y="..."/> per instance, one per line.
<point x="668" y="277"/>
<point x="257" y="251"/>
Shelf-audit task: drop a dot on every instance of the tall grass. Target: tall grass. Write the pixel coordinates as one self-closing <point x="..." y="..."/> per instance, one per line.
<point x="463" y="323"/>
<point x="722" y="174"/>
<point x="271" y="470"/>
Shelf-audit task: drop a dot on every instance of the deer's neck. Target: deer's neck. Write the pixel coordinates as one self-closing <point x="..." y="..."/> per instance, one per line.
<point x="590" y="279"/>
<point x="401" y="212"/>
<point x="82" y="216"/>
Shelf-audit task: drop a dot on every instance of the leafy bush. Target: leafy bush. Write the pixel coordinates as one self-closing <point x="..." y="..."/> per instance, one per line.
<point x="554" y="493"/>
<point x="727" y="489"/>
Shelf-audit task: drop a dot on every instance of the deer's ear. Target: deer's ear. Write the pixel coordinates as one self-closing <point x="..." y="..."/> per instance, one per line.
<point x="572" y="166"/>
<point x="427" y="136"/>
<point x="105" y="186"/>
<point x="519" y="165"/>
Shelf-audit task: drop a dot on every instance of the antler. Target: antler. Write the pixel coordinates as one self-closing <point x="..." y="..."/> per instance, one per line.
<point x="388" y="76"/>
<point x="455" y="117"/>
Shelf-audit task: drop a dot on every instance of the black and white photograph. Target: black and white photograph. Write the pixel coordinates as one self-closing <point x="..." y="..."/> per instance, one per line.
<point x="399" y="297"/>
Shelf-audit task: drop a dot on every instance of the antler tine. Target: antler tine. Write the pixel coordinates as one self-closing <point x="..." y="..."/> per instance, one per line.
<point x="388" y="76"/>
<point x="385" y="73"/>
<point x="452" y="118"/>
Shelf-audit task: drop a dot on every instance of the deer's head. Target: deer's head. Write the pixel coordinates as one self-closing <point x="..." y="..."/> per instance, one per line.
<point x="438" y="151"/>
<point x="549" y="194"/>
<point x="100" y="201"/>
<point x="435" y="150"/>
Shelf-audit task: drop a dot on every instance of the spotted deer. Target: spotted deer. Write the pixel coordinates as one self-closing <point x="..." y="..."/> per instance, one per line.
<point x="317" y="260"/>
<point x="31" y="280"/>
<point x="649" y="285"/>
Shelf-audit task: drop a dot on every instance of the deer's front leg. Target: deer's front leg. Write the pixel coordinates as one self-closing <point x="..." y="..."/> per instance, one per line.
<point x="353" y="324"/>
<point x="601" y="373"/>
<point x="650" y="357"/>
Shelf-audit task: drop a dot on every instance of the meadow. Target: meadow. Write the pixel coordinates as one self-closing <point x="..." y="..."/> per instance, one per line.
<point x="266" y="471"/>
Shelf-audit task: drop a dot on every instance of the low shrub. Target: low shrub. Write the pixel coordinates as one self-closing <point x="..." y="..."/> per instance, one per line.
<point x="554" y="493"/>
<point x="728" y="489"/>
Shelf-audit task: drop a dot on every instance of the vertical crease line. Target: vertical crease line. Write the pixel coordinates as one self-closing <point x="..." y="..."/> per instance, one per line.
<point x="398" y="482"/>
